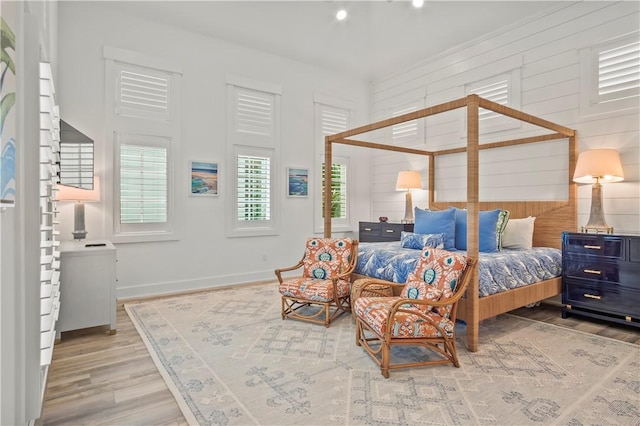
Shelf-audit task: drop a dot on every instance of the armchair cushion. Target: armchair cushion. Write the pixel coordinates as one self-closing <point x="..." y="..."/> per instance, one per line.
<point x="316" y="290"/>
<point x="375" y="312"/>
<point x="326" y="258"/>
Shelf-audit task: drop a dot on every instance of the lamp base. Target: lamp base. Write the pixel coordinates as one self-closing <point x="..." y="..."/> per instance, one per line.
<point x="408" y="209"/>
<point x="79" y="232"/>
<point x="79" y="235"/>
<point x="596" y="221"/>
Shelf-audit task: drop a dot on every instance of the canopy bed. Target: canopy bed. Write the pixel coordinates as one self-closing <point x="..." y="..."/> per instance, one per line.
<point x="552" y="217"/>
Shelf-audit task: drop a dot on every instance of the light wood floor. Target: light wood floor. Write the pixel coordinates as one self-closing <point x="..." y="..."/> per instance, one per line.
<point x="96" y="378"/>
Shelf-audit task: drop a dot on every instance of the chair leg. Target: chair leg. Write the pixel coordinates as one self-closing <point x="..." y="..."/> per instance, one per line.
<point x="384" y="362"/>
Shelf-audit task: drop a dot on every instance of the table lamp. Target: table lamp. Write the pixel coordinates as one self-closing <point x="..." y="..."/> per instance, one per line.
<point x="408" y="180"/>
<point x="598" y="166"/>
<point x="80" y="196"/>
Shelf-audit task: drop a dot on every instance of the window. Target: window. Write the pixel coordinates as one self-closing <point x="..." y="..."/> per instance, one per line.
<point x="253" y="140"/>
<point x="143" y="183"/>
<point x="332" y="116"/>
<point x="143" y="117"/>
<point x="254" y="187"/>
<point x="503" y="89"/>
<point x="408" y="133"/>
<point x="611" y="76"/>
<point x="338" y="189"/>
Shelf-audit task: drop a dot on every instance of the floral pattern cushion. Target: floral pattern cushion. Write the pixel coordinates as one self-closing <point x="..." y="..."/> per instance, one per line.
<point x="438" y="268"/>
<point x="325" y="258"/>
<point x="375" y="312"/>
<point x="311" y="289"/>
<point x="435" y="278"/>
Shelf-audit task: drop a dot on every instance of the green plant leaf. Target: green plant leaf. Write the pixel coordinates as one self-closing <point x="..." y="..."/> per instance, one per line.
<point x="5" y="107"/>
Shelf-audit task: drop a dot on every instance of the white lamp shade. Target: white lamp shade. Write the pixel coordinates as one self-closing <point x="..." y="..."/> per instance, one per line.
<point x="408" y="179"/>
<point x="70" y="193"/>
<point x="598" y="165"/>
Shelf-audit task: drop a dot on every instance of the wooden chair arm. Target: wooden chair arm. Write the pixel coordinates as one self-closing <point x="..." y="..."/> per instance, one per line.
<point x="279" y="271"/>
<point x="465" y="278"/>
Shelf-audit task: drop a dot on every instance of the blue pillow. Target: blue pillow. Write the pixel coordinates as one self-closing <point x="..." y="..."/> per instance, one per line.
<point x="437" y="222"/>
<point x="420" y="241"/>
<point x="486" y="233"/>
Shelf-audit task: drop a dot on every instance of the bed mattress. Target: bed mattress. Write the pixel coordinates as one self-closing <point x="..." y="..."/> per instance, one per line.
<point x="498" y="272"/>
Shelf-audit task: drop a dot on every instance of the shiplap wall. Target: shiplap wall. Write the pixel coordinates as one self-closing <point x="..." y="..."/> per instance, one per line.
<point x="545" y="52"/>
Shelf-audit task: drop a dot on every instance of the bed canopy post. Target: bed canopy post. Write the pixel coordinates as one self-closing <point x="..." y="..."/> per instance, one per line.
<point x="327" y="187"/>
<point x="473" y="314"/>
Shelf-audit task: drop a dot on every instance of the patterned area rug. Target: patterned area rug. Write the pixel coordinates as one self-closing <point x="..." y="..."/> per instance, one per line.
<point x="230" y="359"/>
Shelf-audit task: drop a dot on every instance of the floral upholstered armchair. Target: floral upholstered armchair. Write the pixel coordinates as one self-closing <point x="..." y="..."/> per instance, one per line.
<point x="323" y="291"/>
<point x="422" y="312"/>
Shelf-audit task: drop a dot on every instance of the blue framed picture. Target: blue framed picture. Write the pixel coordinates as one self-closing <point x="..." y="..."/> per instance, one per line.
<point x="297" y="182"/>
<point x="204" y="178"/>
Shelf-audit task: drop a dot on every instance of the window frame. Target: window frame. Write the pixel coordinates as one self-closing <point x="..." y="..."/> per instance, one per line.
<point x="244" y="139"/>
<point x="591" y="102"/>
<point x="489" y="121"/>
<point x="146" y="128"/>
<point x="322" y="103"/>
<point x="146" y="141"/>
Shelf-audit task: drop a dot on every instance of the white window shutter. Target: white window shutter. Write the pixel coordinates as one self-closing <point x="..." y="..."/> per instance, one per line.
<point x="143" y="184"/>
<point x="254" y="111"/>
<point x="143" y="92"/>
<point x="334" y="120"/>
<point x="619" y="72"/>
<point x="254" y="188"/>
<point x="407" y="131"/>
<point x="497" y="92"/>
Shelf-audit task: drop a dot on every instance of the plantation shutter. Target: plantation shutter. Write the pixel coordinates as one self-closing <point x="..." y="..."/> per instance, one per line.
<point x="497" y="92"/>
<point x="619" y="72"/>
<point x="334" y="120"/>
<point x="407" y="131"/>
<point x="143" y="92"/>
<point x="254" y="188"/>
<point x="338" y="190"/>
<point x="254" y="112"/>
<point x="143" y="184"/>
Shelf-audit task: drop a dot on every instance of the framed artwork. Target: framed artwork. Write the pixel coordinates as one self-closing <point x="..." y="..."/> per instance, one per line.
<point x="297" y="182"/>
<point x="204" y="178"/>
<point x="8" y="98"/>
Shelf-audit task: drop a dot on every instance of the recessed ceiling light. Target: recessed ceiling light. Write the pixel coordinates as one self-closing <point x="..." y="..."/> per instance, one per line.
<point x="417" y="3"/>
<point x="341" y="15"/>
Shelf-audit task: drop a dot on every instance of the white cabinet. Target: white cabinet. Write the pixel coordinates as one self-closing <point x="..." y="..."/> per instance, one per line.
<point x="87" y="285"/>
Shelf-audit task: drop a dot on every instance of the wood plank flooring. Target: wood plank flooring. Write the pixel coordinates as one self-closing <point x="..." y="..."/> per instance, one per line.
<point x="100" y="379"/>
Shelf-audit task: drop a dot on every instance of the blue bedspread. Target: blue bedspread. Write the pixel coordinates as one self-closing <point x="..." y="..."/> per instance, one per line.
<point x="500" y="271"/>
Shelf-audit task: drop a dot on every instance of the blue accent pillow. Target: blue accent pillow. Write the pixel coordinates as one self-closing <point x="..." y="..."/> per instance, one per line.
<point x="487" y="232"/>
<point x="419" y="241"/>
<point x="437" y="222"/>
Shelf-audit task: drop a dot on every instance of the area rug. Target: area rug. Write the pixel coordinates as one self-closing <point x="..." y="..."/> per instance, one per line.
<point x="230" y="359"/>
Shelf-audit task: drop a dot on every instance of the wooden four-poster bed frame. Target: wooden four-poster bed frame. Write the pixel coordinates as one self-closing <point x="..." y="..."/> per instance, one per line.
<point x="552" y="217"/>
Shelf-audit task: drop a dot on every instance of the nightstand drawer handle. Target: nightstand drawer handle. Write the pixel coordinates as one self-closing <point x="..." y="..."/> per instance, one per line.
<point x="592" y="296"/>
<point x="367" y="229"/>
<point x="390" y="231"/>
<point x="592" y="271"/>
<point x="592" y="247"/>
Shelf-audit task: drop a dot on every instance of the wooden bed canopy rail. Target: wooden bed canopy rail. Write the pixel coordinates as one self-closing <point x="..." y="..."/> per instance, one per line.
<point x="552" y="217"/>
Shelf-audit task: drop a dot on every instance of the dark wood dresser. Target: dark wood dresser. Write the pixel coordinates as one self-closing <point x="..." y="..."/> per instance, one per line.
<point x="382" y="231"/>
<point x="601" y="277"/>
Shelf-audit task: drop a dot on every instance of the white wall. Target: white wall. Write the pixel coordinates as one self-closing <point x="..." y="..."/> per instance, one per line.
<point x="203" y="257"/>
<point x="547" y="52"/>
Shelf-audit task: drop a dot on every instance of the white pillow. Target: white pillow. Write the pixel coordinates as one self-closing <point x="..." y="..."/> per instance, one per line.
<point x="518" y="234"/>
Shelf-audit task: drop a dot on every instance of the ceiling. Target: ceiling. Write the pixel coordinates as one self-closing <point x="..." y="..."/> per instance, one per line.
<point x="377" y="38"/>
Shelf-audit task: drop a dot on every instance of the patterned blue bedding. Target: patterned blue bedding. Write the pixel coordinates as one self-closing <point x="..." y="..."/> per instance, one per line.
<point x="499" y="271"/>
